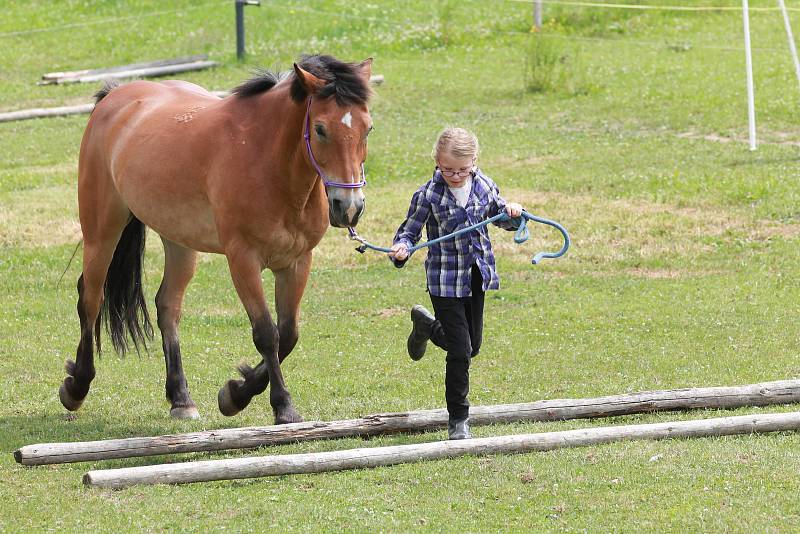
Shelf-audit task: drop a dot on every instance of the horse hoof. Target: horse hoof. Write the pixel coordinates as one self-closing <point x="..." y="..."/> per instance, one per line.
<point x="184" y="412"/>
<point x="288" y="415"/>
<point x="69" y="402"/>
<point x="225" y="401"/>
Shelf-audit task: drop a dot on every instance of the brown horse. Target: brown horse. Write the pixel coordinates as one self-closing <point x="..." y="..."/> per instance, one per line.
<point x="256" y="176"/>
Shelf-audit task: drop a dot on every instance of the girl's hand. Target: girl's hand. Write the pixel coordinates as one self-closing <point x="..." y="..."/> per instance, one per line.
<point x="513" y="209"/>
<point x="399" y="252"/>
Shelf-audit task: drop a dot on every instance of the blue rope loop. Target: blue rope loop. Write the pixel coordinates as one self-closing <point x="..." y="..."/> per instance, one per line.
<point x="522" y="234"/>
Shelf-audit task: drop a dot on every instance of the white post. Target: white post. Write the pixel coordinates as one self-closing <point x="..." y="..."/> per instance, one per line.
<point x="537" y="14"/>
<point x="751" y="106"/>
<point x="792" y="47"/>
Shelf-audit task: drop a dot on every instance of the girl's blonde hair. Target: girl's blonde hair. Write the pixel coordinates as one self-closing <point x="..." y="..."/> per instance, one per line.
<point x="459" y="142"/>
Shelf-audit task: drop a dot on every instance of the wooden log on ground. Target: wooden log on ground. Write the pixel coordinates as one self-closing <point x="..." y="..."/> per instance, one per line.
<point x="52" y="77"/>
<point x="36" y="113"/>
<point x="768" y="393"/>
<point x="61" y="111"/>
<point x="135" y="73"/>
<point x="323" y="462"/>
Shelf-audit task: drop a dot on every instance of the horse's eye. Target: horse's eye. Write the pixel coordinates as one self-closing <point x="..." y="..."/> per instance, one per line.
<point x="320" y="129"/>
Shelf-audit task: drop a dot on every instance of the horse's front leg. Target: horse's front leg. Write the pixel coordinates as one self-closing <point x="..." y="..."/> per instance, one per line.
<point x="245" y="270"/>
<point x="290" y="284"/>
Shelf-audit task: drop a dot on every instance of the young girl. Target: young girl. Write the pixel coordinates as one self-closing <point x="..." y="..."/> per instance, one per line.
<point x="460" y="269"/>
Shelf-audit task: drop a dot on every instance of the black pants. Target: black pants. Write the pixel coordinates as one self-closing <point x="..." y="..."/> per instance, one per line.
<point x="460" y="334"/>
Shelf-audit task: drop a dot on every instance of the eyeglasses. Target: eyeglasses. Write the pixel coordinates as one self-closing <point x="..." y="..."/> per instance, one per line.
<point x="450" y="174"/>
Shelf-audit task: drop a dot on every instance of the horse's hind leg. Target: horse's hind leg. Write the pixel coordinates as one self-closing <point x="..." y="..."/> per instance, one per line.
<point x="289" y="286"/>
<point x="102" y="224"/>
<point x="179" y="267"/>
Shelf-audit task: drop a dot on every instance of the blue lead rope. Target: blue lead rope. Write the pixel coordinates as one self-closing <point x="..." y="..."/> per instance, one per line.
<point x="522" y="234"/>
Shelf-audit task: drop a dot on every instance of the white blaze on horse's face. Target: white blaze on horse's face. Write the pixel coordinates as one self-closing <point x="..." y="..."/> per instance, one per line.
<point x="347" y="120"/>
<point x="340" y="145"/>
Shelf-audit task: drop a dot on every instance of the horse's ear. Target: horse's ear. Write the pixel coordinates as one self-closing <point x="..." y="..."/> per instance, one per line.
<point x="365" y="68"/>
<point x="311" y="83"/>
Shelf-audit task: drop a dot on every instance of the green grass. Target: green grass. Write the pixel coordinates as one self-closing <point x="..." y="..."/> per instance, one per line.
<point x="682" y="271"/>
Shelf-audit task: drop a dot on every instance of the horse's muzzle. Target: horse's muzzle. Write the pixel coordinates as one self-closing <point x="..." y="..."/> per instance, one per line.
<point x="345" y="213"/>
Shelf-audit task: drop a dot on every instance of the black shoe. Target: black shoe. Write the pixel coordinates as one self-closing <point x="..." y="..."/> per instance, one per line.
<point x="422" y="325"/>
<point x="458" y="429"/>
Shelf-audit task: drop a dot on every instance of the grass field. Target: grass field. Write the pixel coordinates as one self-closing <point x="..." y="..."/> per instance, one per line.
<point x="683" y="270"/>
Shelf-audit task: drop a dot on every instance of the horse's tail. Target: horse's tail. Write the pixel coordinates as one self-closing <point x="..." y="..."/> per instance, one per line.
<point x="124" y="310"/>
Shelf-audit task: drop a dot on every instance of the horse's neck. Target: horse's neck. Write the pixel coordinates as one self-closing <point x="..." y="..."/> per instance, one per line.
<point x="277" y="120"/>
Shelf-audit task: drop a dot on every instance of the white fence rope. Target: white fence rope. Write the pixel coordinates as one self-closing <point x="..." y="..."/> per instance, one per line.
<point x="646" y="7"/>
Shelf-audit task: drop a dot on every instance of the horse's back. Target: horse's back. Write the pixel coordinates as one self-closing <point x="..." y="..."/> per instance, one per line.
<point x="144" y="140"/>
<point x="190" y="87"/>
<point x="143" y="117"/>
<point x="143" y="96"/>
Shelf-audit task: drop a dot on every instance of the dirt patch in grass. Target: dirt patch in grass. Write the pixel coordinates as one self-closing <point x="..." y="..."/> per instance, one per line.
<point x="391" y="312"/>
<point x="771" y="138"/>
<point x="625" y="230"/>
<point x="39" y="218"/>
<point x="765" y="137"/>
<point x="668" y="274"/>
<point x="603" y="231"/>
<point x="538" y="275"/>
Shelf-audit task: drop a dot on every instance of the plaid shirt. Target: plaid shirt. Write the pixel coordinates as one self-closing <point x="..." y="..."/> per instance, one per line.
<point x="449" y="263"/>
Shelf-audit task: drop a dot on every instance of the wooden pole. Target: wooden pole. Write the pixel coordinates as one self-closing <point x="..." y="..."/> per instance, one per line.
<point x="61" y="111"/>
<point x="134" y="73"/>
<point x="51" y="77"/>
<point x="37" y="113"/>
<point x="764" y="394"/>
<point x="323" y="462"/>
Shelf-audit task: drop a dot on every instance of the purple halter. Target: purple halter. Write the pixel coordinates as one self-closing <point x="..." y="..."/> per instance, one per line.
<point x="320" y="172"/>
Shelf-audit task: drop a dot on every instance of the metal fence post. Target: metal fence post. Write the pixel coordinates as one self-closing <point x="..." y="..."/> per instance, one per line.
<point x="240" y="24"/>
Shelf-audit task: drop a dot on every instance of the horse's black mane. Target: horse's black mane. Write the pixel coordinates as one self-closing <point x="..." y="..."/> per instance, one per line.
<point x="108" y="86"/>
<point x="264" y="80"/>
<point x="344" y="81"/>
